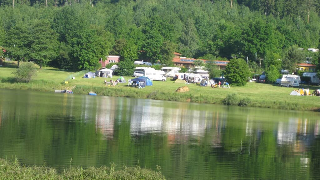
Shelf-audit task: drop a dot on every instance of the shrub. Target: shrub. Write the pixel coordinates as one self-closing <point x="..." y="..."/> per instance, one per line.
<point x="25" y="72"/>
<point x="231" y="99"/>
<point x="244" y="102"/>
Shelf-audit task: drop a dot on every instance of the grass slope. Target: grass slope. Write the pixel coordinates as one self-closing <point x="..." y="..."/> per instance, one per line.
<point x="255" y="94"/>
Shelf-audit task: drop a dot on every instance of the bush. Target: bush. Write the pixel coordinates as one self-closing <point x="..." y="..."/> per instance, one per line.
<point x="231" y="99"/>
<point x="25" y="72"/>
<point x="244" y="102"/>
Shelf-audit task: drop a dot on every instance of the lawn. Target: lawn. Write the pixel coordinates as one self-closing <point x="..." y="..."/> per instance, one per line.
<point x="259" y="94"/>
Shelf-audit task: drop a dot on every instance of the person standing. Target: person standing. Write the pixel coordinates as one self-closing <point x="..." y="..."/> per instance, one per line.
<point x="219" y="83"/>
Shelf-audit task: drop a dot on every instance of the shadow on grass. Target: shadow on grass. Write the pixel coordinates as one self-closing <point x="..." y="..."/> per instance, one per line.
<point x="302" y="86"/>
<point x="9" y="65"/>
<point x="10" y="80"/>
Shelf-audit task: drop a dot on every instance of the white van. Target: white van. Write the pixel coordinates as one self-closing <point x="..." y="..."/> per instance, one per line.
<point x="155" y="75"/>
<point x="290" y="81"/>
<point x="140" y="71"/>
<point x="151" y="73"/>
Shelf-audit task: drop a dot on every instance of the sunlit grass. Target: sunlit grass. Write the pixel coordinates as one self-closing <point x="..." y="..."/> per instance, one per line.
<point x="260" y="95"/>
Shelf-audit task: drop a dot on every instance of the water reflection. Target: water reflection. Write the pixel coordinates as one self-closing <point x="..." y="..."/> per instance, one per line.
<point x="187" y="140"/>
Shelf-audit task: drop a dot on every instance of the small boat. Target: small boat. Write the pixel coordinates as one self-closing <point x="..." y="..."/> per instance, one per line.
<point x="63" y="91"/>
<point x="60" y="91"/>
<point x="92" y="93"/>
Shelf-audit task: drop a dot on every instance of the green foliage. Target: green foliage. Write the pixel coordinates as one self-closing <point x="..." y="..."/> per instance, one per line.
<point x="157" y="67"/>
<point x="184" y="69"/>
<point x="125" y="68"/>
<point x="292" y="56"/>
<point x="198" y="63"/>
<point x="166" y="53"/>
<point x="25" y="72"/>
<point x="110" y="65"/>
<point x="43" y="42"/>
<point x="245" y="101"/>
<point x="237" y="72"/>
<point x="231" y="99"/>
<point x="213" y="70"/>
<point x="151" y="31"/>
<point x="235" y="100"/>
<point x="272" y="74"/>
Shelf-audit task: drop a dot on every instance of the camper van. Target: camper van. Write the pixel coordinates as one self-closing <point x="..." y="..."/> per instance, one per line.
<point x="313" y="77"/>
<point x="151" y="73"/>
<point x="290" y="81"/>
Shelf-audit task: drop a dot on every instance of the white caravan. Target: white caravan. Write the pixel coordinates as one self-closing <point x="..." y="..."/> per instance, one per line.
<point x="151" y="73"/>
<point x="313" y="77"/>
<point x="290" y="80"/>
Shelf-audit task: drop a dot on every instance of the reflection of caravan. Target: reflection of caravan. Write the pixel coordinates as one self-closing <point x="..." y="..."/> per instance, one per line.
<point x="313" y="77"/>
<point x="290" y="80"/>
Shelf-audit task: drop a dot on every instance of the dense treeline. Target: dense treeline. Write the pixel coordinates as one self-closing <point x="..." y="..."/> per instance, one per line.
<point x="76" y="34"/>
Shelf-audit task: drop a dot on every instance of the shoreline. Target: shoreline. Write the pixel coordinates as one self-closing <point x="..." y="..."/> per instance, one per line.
<point x="177" y="97"/>
<point x="259" y="95"/>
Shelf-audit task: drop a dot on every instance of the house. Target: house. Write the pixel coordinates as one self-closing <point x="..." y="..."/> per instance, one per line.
<point x="306" y="67"/>
<point x="109" y="59"/>
<point x="189" y="62"/>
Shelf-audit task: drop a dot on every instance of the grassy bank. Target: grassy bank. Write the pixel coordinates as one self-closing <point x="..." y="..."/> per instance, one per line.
<point x="253" y="94"/>
<point x="13" y="170"/>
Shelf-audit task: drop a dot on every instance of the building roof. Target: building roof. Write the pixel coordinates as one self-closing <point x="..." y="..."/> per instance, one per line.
<point x="306" y="65"/>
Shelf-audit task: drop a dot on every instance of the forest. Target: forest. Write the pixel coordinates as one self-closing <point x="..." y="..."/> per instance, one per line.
<point x="75" y="34"/>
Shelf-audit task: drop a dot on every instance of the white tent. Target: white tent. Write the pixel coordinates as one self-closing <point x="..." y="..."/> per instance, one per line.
<point x="105" y="73"/>
<point x="295" y="93"/>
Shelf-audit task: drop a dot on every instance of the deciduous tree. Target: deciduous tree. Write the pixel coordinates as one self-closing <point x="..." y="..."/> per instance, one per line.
<point x="237" y="72"/>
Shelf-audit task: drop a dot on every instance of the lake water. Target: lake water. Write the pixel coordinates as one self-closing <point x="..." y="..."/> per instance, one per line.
<point x="187" y="140"/>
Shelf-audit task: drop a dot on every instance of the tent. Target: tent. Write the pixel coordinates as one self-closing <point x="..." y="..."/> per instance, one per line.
<point x="89" y="75"/>
<point x="295" y="93"/>
<point x="143" y="81"/>
<point x="105" y="73"/>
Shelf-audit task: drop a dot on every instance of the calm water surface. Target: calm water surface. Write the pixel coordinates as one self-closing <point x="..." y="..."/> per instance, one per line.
<point x="188" y="141"/>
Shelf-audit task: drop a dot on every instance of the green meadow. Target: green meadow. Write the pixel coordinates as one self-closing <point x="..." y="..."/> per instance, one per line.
<point x="252" y="94"/>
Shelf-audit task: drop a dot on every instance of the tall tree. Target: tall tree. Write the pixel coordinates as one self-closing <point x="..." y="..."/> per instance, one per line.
<point x="17" y="43"/>
<point x="44" y="42"/>
<point x="292" y="56"/>
<point x="189" y="40"/>
<point x="237" y="72"/>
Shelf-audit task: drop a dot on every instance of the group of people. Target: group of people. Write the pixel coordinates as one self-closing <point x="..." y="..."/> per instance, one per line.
<point x="114" y="83"/>
<point x="111" y="83"/>
<point x="224" y="85"/>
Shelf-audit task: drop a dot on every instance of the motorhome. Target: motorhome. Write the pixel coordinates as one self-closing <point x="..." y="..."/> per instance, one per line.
<point x="140" y="71"/>
<point x="290" y="80"/>
<point x="151" y="73"/>
<point x="313" y="77"/>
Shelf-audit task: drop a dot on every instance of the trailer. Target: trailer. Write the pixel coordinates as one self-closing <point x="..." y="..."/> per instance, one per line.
<point x="313" y="77"/>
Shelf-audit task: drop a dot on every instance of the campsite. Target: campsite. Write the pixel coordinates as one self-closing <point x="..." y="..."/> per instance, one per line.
<point x="259" y="94"/>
